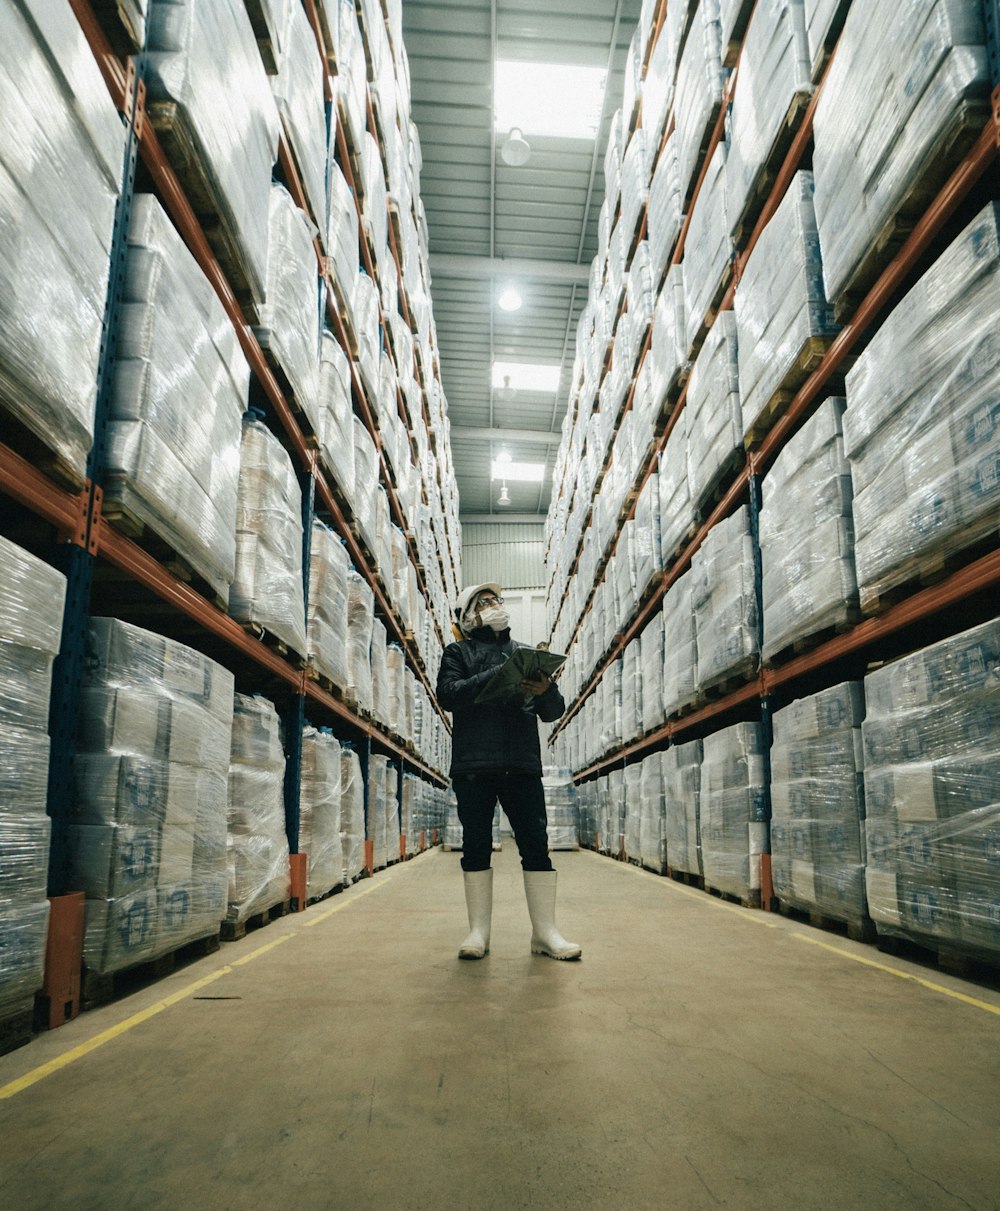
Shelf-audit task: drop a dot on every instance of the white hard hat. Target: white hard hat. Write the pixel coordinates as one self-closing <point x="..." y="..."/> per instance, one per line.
<point x="471" y="593"/>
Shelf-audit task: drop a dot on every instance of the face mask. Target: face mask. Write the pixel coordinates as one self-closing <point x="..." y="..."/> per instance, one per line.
<point x="494" y="617"/>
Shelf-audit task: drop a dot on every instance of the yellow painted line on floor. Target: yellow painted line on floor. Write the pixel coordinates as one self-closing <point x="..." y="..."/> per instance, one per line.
<point x="754" y="916"/>
<point x="902" y="975"/>
<point x="113" y="1032"/>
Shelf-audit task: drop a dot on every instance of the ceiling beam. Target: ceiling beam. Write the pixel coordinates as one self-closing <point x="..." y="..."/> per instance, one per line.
<point x="458" y="265"/>
<point x="474" y="433"/>
<point x="502" y="519"/>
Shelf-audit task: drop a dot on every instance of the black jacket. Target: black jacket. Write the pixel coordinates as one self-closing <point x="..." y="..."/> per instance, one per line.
<point x="488" y="737"/>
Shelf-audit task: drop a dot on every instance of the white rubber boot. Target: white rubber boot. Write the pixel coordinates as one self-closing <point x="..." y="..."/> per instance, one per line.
<point x="540" y="892"/>
<point x="479" y="902"/>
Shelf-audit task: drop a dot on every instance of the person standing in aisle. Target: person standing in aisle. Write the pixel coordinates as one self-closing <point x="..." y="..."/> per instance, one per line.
<point x="496" y="756"/>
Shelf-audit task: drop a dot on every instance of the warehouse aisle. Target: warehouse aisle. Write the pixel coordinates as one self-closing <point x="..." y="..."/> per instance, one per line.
<point x="699" y="1056"/>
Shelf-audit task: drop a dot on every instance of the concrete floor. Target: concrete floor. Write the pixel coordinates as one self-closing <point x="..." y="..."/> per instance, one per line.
<point x="700" y="1056"/>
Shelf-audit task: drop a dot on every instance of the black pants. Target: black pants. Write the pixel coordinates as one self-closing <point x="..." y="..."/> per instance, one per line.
<point x="522" y="798"/>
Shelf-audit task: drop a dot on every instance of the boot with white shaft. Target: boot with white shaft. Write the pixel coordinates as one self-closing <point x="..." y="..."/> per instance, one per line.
<point x="479" y="902"/>
<point x="540" y="892"/>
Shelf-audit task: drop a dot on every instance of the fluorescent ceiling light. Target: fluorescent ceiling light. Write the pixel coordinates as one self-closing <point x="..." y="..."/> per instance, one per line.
<point x="509" y="300"/>
<point x="527" y="377"/>
<point x="531" y="473"/>
<point x="558" y="100"/>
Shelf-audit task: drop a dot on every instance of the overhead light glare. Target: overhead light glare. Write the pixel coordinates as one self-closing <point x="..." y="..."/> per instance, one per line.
<point x="555" y="100"/>
<point x="509" y="300"/>
<point x="528" y="473"/>
<point x="527" y="376"/>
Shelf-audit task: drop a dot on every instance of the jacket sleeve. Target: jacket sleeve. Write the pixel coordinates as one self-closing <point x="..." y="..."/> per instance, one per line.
<point x="455" y="687"/>
<point x="550" y="706"/>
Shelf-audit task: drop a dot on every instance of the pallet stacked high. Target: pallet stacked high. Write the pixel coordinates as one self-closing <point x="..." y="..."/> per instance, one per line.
<point x="820" y="223"/>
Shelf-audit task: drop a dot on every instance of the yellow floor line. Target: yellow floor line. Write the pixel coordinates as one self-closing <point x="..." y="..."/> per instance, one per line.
<point x="113" y="1032"/>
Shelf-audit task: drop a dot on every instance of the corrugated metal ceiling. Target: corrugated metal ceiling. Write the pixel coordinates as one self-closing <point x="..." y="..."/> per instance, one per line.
<point x="481" y="211"/>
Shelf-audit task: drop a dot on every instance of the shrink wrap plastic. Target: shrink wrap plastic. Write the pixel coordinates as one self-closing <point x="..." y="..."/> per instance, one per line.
<point x="932" y="794"/>
<point x="682" y="811"/>
<point x="823" y="22"/>
<point x="267" y="588"/>
<point x="360" y="623"/>
<point x="378" y="791"/>
<point x="396" y="717"/>
<point x="336" y="414"/>
<point x="271" y="28"/>
<point x="59" y="125"/>
<point x="817" y="804"/>
<point x="343" y="241"/>
<point x="366" y="327"/>
<point x="329" y="568"/>
<point x="374" y="209"/>
<point x="632" y="811"/>
<point x="680" y="646"/>
<point x="365" y="483"/>
<point x="289" y="324"/>
<point x="319" y="812"/>
<point x="635" y="182"/>
<point x="907" y="73"/>
<point x="453" y="835"/>
<point x="658" y="88"/>
<point x="781" y="310"/>
<point x="178" y="395"/>
<point x="632" y="685"/>
<point x="652" y="837"/>
<point x="714" y="412"/>
<point x="664" y="212"/>
<point x="734" y="809"/>
<point x="669" y="341"/>
<point x="700" y="82"/>
<point x="31" y="607"/>
<point x="807" y="535"/>
<point x="651" y="659"/>
<point x="562" y="808"/>
<point x="352" y="814"/>
<point x="298" y="91"/>
<point x="151" y="772"/>
<point x="380" y="675"/>
<point x="773" y="80"/>
<point x="725" y="602"/>
<point x="676" y="506"/>
<point x="733" y="16"/>
<point x="646" y="537"/>
<point x="227" y="110"/>
<point x="922" y="427"/>
<point x="708" y="249"/>
<point x="256" y="845"/>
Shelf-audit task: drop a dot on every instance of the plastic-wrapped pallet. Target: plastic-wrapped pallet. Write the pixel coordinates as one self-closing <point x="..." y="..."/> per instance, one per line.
<point x="714" y="412"/>
<point x="336" y="414"/>
<point x="148" y="845"/>
<point x="676" y="508"/>
<point x="60" y="125"/>
<point x="734" y="810"/>
<point x="352" y="813"/>
<point x="319" y="812"/>
<point x="708" y="250"/>
<point x="680" y="646"/>
<point x="725" y="602"/>
<point x="658" y="88"/>
<point x="179" y="390"/>
<point x="365" y="482"/>
<point x="932" y="794"/>
<point x="380" y="676"/>
<point x="682" y="806"/>
<point x="329" y="566"/>
<point x="907" y="92"/>
<point x="635" y="182"/>
<point x="783" y="320"/>
<point x="669" y="343"/>
<point x="298" y="91"/>
<point x="817" y="804"/>
<point x="343" y="242"/>
<point x="395" y="716"/>
<point x="365" y="318"/>
<point x="409" y="841"/>
<point x="289" y="320"/>
<point x="256" y="844"/>
<point x="378" y="797"/>
<point x="632" y="685"/>
<point x="374" y="211"/>
<point x="922" y="424"/>
<point x="824" y="21"/>
<point x="652" y="839"/>
<point x="700" y="81"/>
<point x="360" y="623"/>
<point x="267" y="588"/>
<point x="807" y="535"/>
<point x="352" y="74"/>
<point x="561" y="808"/>
<point x="651" y="643"/>
<point x="234" y="144"/>
<point x="31" y="609"/>
<point x="632" y="812"/>
<point x="733" y="15"/>
<point x="772" y="87"/>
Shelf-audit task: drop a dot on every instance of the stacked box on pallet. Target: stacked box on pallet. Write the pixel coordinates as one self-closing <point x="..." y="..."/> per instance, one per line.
<point x="724" y="596"/>
<point x="807" y="535"/>
<point x="409" y="841"/>
<point x="336" y="415"/>
<point x="366" y="477"/>
<point x="676" y="507"/>
<point x="817" y="804"/>
<point x="298" y="91"/>
<point x="352" y="813"/>
<point x="652" y="835"/>
<point x="561" y="807"/>
<point x="392" y="813"/>
<point x="682" y="806"/>
<point x="632" y="811"/>
<point x="680" y="646"/>
<point x="698" y="96"/>
<point x="708" y="251"/>
<point x="714" y="414"/>
<point x="267" y="589"/>
<point x="922" y="423"/>
<point x="148" y="845"/>
<point x="233" y="144"/>
<point x="256" y="844"/>
<point x="343" y="243"/>
<point x="178" y="394"/>
<point x="824" y="20"/>
<point x="319" y="812"/>
<point x="396" y="696"/>
<point x="906" y="94"/>
<point x="632" y="684"/>
<point x="360" y="624"/>
<point x="366" y="328"/>
<point x="734" y="810"/>
<point x="772" y="85"/>
<point x="658" y="90"/>
<point x="375" y="835"/>
<point x="31" y="610"/>
<point x="326" y="625"/>
<point x="932" y="793"/>
<point x="60" y="125"/>
<point x="380" y="675"/>
<point x="453" y="829"/>
<point x="669" y="344"/>
<point x="652" y="647"/>
<point x="783" y="320"/>
<point x="288" y="322"/>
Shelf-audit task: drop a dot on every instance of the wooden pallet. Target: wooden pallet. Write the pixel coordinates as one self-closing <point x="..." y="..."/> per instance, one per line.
<point x="809" y="357"/>
<point x="303" y="418"/>
<point x="731" y="682"/>
<point x="860" y="929"/>
<point x="748" y="899"/>
<point x="118" y="25"/>
<point x="16" y="1024"/>
<point x="233" y="931"/>
<point x="341" y="693"/>
<point x="327" y="895"/>
<point x="99" y="988"/>
<point x="847" y="621"/>
<point x="711" y="314"/>
<point x="950" y="956"/>
<point x="258" y="21"/>
<point x="720" y="483"/>
<point x="31" y="447"/>
<point x="688" y="878"/>
<point x="928" y="568"/>
<point x="274" y="643"/>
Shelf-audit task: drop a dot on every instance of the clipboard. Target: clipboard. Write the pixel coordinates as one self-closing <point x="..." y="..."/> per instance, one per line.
<point x="523" y="664"/>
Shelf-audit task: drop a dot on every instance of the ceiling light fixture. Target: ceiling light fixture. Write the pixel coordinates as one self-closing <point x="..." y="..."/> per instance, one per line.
<point x="509" y="300"/>
<point x="515" y="149"/>
<point x="504" y="498"/>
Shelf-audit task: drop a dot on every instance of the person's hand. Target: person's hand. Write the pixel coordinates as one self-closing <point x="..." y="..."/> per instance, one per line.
<point x="536" y="685"/>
